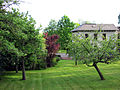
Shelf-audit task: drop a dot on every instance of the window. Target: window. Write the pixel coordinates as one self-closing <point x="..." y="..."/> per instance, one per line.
<point x="86" y="35"/>
<point x="104" y="36"/>
<point x="95" y="36"/>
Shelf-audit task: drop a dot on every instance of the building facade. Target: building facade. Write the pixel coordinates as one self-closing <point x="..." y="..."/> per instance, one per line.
<point x="91" y="30"/>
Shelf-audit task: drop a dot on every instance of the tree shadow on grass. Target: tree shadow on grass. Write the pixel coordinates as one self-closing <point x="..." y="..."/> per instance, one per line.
<point x="10" y="75"/>
<point x="10" y="79"/>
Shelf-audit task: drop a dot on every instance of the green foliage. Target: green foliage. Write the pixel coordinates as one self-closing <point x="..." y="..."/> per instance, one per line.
<point x="61" y="28"/>
<point x="54" y="61"/>
<point x="51" y="28"/>
<point x="62" y="51"/>
<point x="89" y="50"/>
<point x="64" y="31"/>
<point x="57" y="58"/>
<point x="19" y="38"/>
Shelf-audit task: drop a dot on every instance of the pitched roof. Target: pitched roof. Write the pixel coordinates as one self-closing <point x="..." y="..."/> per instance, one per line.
<point x="95" y="27"/>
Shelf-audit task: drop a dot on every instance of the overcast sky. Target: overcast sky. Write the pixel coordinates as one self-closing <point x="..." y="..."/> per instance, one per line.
<point x="98" y="11"/>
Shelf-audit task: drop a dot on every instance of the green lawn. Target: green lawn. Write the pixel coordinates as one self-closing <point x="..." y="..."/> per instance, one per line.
<point x="62" y="51"/>
<point x="65" y="76"/>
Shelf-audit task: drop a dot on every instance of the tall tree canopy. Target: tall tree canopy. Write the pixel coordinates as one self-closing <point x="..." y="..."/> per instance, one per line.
<point x="19" y="40"/>
<point x="91" y="51"/>
<point x="51" y="28"/>
<point x="64" y="31"/>
<point x="62" y="28"/>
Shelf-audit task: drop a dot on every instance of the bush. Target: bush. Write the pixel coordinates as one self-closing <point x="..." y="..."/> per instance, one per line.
<point x="57" y="59"/>
<point x="54" y="62"/>
<point x="41" y="65"/>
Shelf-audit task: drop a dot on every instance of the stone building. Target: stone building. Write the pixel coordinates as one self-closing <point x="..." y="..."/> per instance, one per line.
<point x="90" y="30"/>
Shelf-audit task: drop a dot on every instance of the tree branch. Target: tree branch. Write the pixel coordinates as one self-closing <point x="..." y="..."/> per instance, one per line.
<point x="86" y="48"/>
<point x="104" y="50"/>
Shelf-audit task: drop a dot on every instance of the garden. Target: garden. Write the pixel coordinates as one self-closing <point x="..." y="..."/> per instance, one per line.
<point x="28" y="59"/>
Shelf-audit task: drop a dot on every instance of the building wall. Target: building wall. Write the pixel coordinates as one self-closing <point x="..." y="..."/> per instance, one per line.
<point x="99" y="35"/>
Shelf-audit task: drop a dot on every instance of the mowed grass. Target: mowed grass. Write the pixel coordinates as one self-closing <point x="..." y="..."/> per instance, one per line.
<point x="62" y="51"/>
<point x="65" y="76"/>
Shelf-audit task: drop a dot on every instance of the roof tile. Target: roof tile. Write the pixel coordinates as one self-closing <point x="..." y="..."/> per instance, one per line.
<point x="96" y="27"/>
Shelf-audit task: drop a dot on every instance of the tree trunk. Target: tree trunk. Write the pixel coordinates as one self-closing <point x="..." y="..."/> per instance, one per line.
<point x="100" y="74"/>
<point x="33" y="66"/>
<point x="16" y="68"/>
<point x="75" y="59"/>
<point x="48" y="61"/>
<point x="23" y="70"/>
<point x="75" y="62"/>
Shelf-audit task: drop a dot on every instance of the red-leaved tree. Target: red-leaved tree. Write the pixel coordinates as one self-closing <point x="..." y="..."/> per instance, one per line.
<point x="52" y="47"/>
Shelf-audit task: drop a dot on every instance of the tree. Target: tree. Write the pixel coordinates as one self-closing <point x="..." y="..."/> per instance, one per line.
<point x="5" y="4"/>
<point x="51" y="47"/>
<point x="64" y="28"/>
<point x="51" y="28"/>
<point x="91" y="51"/>
<point x="61" y="28"/>
<point x="19" y="38"/>
<point x="119" y="19"/>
